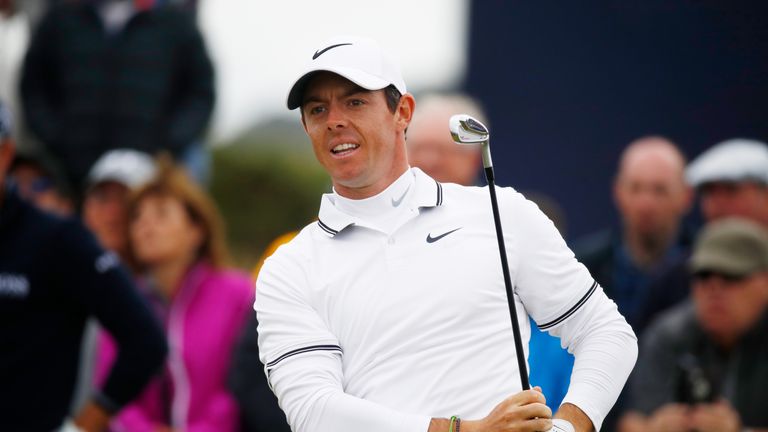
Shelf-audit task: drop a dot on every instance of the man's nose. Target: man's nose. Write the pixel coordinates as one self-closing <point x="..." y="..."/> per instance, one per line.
<point x="336" y="118"/>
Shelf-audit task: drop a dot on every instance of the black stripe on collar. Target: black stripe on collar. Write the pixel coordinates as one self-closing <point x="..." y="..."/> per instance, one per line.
<point x="326" y="228"/>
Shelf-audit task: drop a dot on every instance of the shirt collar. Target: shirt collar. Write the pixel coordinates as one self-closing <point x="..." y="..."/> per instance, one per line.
<point x="427" y="193"/>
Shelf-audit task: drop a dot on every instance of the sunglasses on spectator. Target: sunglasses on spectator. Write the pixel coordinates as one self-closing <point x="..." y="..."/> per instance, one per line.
<point x="728" y="277"/>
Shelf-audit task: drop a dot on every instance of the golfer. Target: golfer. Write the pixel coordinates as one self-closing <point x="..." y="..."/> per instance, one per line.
<point x="389" y="313"/>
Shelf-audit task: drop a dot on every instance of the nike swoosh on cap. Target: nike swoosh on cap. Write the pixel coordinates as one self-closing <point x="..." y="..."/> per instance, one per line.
<point x="431" y="239"/>
<point x="320" y="52"/>
<point x="396" y="202"/>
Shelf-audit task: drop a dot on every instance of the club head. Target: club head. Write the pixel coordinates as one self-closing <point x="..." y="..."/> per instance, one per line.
<point x="467" y="130"/>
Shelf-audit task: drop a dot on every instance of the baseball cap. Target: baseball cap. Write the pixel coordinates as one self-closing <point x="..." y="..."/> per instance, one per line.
<point x="6" y="123"/>
<point x="131" y="168"/>
<point x="360" y="60"/>
<point x="733" y="160"/>
<point x="734" y="247"/>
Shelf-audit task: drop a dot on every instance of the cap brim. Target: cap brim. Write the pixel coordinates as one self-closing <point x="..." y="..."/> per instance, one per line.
<point x="720" y="263"/>
<point x="363" y="79"/>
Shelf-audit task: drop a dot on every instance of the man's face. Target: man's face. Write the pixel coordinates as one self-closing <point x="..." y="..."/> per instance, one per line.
<point x="431" y="148"/>
<point x="39" y="188"/>
<point x="726" y="307"/>
<point x="356" y="138"/>
<point x="650" y="193"/>
<point x="104" y="212"/>
<point x="740" y="199"/>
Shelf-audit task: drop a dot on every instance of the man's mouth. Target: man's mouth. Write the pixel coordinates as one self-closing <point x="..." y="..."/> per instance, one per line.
<point x="344" y="148"/>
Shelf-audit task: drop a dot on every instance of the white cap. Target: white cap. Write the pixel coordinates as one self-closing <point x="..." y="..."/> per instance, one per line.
<point x="128" y="167"/>
<point x="734" y="160"/>
<point x="357" y="59"/>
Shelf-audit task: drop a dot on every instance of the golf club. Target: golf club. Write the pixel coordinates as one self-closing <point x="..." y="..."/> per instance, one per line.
<point x="466" y="130"/>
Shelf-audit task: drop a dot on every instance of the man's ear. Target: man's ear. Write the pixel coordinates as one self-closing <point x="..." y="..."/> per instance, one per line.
<point x="303" y="122"/>
<point x="404" y="112"/>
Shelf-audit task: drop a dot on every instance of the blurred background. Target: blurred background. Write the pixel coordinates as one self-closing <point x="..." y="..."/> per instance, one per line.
<point x="566" y="86"/>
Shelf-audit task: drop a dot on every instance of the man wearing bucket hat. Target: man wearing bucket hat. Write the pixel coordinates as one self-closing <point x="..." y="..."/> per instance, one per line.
<point x="389" y="313"/>
<point x="731" y="180"/>
<point x="704" y="365"/>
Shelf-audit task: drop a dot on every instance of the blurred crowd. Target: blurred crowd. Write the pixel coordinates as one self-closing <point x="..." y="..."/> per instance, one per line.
<point x="120" y="309"/>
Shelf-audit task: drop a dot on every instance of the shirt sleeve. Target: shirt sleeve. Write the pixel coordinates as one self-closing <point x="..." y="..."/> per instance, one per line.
<point x="104" y="289"/>
<point x="549" y="280"/>
<point x="303" y="360"/>
<point x="564" y="299"/>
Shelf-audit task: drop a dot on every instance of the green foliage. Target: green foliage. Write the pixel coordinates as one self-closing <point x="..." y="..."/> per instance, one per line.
<point x="264" y="191"/>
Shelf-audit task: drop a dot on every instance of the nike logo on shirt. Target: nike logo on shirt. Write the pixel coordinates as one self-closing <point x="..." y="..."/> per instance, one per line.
<point x="319" y="53"/>
<point x="431" y="239"/>
<point x="396" y="202"/>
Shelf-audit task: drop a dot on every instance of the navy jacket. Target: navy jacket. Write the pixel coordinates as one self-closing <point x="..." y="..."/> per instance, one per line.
<point x="53" y="276"/>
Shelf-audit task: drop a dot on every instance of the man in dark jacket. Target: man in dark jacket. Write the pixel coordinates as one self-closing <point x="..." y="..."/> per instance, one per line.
<point x="652" y="197"/>
<point x="703" y="365"/>
<point x="53" y="276"/>
<point x="106" y="74"/>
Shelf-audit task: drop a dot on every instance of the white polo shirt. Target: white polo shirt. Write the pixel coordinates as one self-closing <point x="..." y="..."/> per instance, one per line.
<point x="392" y="310"/>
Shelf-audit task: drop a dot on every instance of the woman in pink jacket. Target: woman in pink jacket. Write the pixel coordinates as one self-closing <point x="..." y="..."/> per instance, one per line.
<point x="177" y="244"/>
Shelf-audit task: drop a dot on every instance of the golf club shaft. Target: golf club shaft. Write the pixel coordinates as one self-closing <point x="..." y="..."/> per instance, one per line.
<point x="507" y="282"/>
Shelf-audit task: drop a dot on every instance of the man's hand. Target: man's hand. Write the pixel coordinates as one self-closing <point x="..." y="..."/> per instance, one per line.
<point x="715" y="417"/>
<point x="669" y="418"/>
<point x="92" y="418"/>
<point x="523" y="412"/>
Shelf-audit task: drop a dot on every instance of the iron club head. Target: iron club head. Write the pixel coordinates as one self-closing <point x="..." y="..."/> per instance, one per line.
<point x="467" y="130"/>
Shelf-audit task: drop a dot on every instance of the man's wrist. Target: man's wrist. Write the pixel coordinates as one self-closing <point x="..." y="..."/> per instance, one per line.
<point x="562" y="425"/>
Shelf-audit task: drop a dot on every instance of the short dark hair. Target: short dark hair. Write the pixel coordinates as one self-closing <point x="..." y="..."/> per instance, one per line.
<point x="393" y="96"/>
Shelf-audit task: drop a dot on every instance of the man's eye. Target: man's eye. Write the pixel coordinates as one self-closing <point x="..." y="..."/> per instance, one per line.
<point x="316" y="110"/>
<point x="356" y="102"/>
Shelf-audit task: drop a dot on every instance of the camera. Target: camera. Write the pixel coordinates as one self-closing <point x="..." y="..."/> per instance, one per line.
<point x="695" y="385"/>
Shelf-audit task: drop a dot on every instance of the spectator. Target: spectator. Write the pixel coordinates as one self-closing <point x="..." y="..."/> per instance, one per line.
<point x="652" y="197"/>
<point x="704" y="365"/>
<point x="110" y="181"/>
<point x="731" y="179"/>
<point x="39" y="184"/>
<point x="429" y="142"/>
<point x="53" y="276"/>
<point x="177" y="242"/>
<point x="106" y="74"/>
